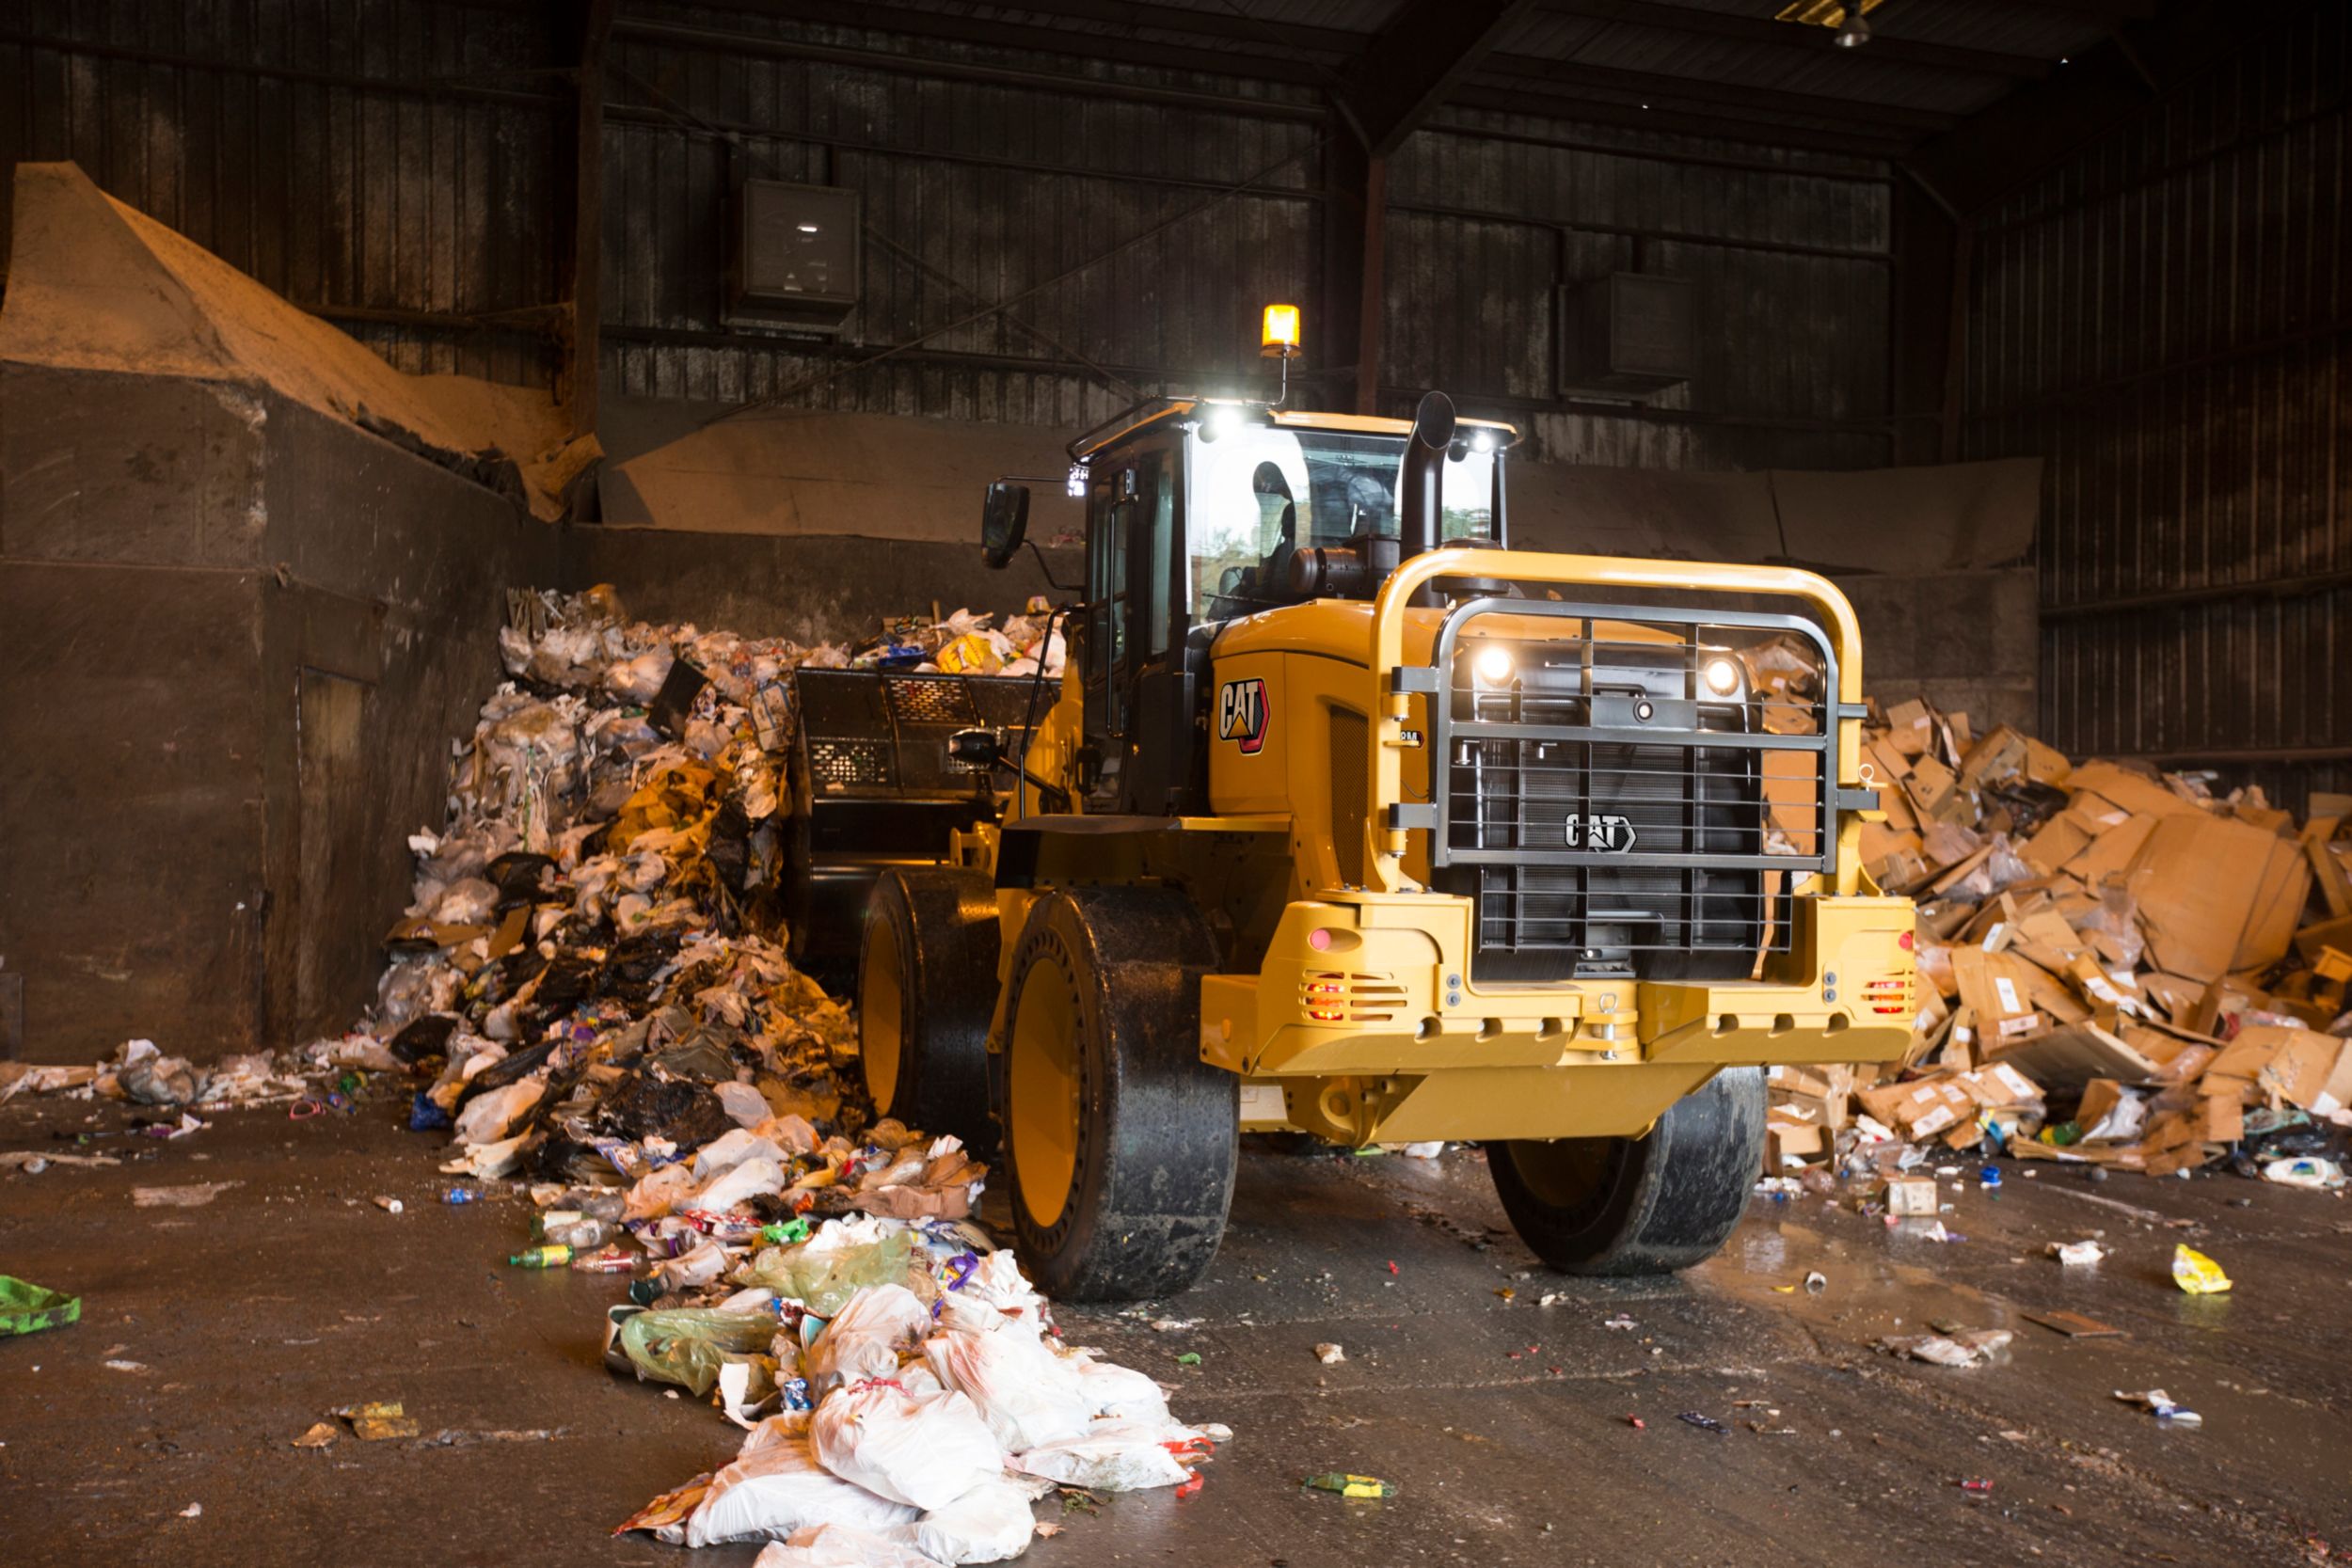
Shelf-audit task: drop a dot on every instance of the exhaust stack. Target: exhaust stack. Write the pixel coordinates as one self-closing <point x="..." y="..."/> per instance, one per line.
<point x="1422" y="484"/>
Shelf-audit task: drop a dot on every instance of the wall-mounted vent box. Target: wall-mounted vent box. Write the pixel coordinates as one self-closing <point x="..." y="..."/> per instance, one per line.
<point x="793" y="259"/>
<point x="1627" y="334"/>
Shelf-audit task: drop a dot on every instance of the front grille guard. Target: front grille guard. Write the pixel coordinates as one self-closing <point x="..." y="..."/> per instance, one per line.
<point x="1393" y="817"/>
<point x="1445" y="730"/>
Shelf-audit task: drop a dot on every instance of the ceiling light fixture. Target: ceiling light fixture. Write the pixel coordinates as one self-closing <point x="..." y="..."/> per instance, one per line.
<point x="1853" y="32"/>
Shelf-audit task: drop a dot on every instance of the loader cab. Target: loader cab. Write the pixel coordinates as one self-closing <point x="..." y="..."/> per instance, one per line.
<point x="1200" y="512"/>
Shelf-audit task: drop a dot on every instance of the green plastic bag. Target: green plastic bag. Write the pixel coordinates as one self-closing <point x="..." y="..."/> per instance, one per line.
<point x="26" y="1308"/>
<point x="687" y="1345"/>
<point x="824" y="1281"/>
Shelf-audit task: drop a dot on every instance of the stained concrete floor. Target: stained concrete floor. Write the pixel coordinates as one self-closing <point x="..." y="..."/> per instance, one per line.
<point x="1504" y="1422"/>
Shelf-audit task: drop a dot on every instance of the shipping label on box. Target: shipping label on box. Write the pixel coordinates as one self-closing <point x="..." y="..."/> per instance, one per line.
<point x="1910" y="1195"/>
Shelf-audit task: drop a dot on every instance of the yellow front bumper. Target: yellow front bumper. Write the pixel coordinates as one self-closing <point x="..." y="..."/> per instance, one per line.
<point x="1380" y="983"/>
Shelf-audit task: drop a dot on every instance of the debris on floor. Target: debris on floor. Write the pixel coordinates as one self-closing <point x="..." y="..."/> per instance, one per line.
<point x="28" y="1309"/>
<point x="594" y="990"/>
<point x="2117" y="968"/>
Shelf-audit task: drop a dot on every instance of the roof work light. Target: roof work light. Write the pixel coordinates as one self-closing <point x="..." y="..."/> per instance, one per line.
<point x="1279" y="340"/>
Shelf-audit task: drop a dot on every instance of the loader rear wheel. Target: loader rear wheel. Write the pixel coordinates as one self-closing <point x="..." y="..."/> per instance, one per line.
<point x="1122" y="1143"/>
<point x="926" y="984"/>
<point x="1646" y="1205"/>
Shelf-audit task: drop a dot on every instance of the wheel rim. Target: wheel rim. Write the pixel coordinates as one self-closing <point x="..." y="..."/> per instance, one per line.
<point x="1042" y="1094"/>
<point x="1569" y="1176"/>
<point x="881" y="1013"/>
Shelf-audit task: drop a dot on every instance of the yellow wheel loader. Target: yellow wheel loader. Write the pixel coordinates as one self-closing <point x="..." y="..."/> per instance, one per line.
<point x="1348" y="819"/>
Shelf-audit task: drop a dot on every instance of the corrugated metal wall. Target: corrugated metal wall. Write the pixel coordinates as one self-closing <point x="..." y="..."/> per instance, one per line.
<point x="2165" y="318"/>
<point x="385" y="162"/>
<point x="400" y="167"/>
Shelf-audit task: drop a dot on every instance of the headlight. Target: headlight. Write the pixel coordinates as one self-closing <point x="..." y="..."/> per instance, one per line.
<point x="1722" y="676"/>
<point x="1494" y="664"/>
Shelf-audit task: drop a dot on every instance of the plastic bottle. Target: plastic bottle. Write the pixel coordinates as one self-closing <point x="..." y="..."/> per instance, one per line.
<point x="1353" y="1486"/>
<point x="581" y="1235"/>
<point x="460" y="1194"/>
<point x="552" y="1257"/>
<point x="545" y="1225"/>
<point x="610" y="1260"/>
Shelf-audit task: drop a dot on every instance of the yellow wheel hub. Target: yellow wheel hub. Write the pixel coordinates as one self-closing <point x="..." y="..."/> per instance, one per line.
<point x="1043" y="1091"/>
<point x="881" y="1013"/>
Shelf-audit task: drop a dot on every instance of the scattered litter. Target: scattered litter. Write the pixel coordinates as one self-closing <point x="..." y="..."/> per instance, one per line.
<point x="1703" y="1423"/>
<point x="390" y="1205"/>
<point x="28" y="1309"/>
<point x="194" y="1510"/>
<point x="1978" y="1486"/>
<point x="2073" y="1325"/>
<point x="1330" y="1355"/>
<point x="194" y="1195"/>
<point x="1815" y="1282"/>
<point x="2304" y="1171"/>
<point x="1351" y="1486"/>
<point x="126" y="1365"/>
<point x="1190" y="1358"/>
<point x="322" y="1435"/>
<point x="1962" y="1348"/>
<point x="1637" y="1423"/>
<point x="2159" y="1404"/>
<point x="1174" y="1325"/>
<point x="378" y="1420"/>
<point x="1620" y="1322"/>
<point x="2075" y="1255"/>
<point x="2197" y="1273"/>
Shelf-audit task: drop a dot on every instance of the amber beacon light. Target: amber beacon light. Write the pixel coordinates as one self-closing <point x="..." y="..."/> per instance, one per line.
<point x="1279" y="339"/>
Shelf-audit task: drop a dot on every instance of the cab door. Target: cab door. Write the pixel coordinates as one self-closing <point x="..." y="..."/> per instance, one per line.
<point x="1134" y="616"/>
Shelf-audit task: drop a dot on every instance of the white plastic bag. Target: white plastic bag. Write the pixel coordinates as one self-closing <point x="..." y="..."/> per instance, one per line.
<point x="840" y="1547"/>
<point x="730" y="1150"/>
<point x="1120" y="1393"/>
<point x="1025" y="1393"/>
<point x="488" y="1116"/>
<point x="1114" y="1456"/>
<point x="775" y="1487"/>
<point x="863" y="1339"/>
<point x="738" y="1185"/>
<point x="987" y="1524"/>
<point x="745" y="1106"/>
<point x="923" y="1450"/>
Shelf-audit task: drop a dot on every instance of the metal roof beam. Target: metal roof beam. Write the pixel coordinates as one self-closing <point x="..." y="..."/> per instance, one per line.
<point x="1854" y="142"/>
<point x="1790" y="35"/>
<point x="1413" y="63"/>
<point x="1700" y="95"/>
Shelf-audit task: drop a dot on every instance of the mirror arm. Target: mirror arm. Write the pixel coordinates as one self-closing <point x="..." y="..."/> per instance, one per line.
<point x="1047" y="571"/>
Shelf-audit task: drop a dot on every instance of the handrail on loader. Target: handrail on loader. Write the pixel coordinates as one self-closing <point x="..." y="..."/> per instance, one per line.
<point x="1385" y="844"/>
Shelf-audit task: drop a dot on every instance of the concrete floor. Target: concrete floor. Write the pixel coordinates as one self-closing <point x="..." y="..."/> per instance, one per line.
<point x="1504" y="1422"/>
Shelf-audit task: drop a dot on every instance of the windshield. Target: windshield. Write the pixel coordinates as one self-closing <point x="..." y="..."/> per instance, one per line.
<point x="1260" y="493"/>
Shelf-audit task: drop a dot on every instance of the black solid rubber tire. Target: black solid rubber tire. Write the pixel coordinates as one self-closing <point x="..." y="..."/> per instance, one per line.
<point x="1158" y="1138"/>
<point x="942" y="920"/>
<point x="1653" y="1204"/>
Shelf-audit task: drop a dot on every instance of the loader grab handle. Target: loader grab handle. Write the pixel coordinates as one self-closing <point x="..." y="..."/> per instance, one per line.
<point x="1390" y="821"/>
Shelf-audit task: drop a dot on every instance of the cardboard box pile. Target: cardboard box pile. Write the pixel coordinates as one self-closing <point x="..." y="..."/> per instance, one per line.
<point x="2117" y="966"/>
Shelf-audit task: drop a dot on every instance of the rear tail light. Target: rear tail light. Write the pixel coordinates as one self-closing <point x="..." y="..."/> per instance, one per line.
<point x="1888" y="995"/>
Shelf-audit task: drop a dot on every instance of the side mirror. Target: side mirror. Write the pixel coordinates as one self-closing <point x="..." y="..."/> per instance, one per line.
<point x="1003" y="522"/>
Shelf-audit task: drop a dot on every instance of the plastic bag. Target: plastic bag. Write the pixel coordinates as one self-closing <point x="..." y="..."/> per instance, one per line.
<point x="489" y="1116"/>
<point x="1025" y="1393"/>
<point x="923" y="1450"/>
<point x="28" y="1309"/>
<point x="824" y="1281"/>
<point x="775" y="1487"/>
<point x="657" y="1194"/>
<point x="840" y="1547"/>
<point x="687" y="1345"/>
<point x="1120" y="1393"/>
<point x="987" y="1524"/>
<point x="2197" y="1273"/>
<point x="1114" y="1456"/>
<point x="737" y="1185"/>
<point x="863" y="1339"/>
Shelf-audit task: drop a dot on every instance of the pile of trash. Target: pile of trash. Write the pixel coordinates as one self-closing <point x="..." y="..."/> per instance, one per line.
<point x="2117" y="967"/>
<point x="906" y="1396"/>
<point x="593" y="987"/>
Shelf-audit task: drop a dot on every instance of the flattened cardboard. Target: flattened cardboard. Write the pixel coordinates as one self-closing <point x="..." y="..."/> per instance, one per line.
<point x="2217" y="895"/>
<point x="2071" y="1057"/>
<point x="2134" y="792"/>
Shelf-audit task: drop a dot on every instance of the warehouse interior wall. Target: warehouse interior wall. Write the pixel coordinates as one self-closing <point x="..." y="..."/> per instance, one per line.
<point x="2163" y="316"/>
